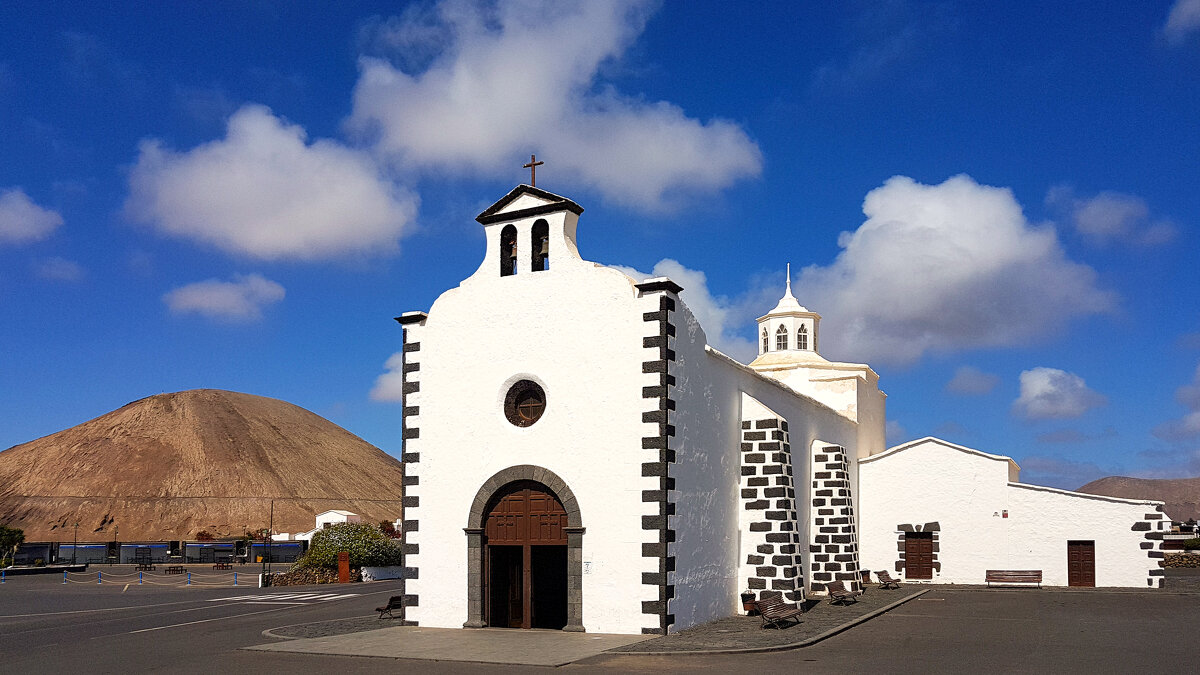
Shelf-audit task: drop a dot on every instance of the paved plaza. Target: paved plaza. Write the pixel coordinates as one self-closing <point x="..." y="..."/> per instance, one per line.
<point x="46" y="626"/>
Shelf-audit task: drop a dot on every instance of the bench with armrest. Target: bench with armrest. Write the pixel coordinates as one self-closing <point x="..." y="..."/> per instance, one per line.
<point x="886" y="580"/>
<point x="839" y="594"/>
<point x="175" y="569"/>
<point x="394" y="602"/>
<point x="223" y="566"/>
<point x="1013" y="577"/>
<point x="144" y="567"/>
<point x="776" y="612"/>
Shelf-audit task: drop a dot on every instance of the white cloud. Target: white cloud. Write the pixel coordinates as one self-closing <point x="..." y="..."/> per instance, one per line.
<point x="58" y="269"/>
<point x="1183" y="20"/>
<point x="1187" y="427"/>
<point x="894" y="433"/>
<point x="971" y="381"/>
<point x="945" y="267"/>
<point x="1050" y="393"/>
<point x="22" y="221"/>
<point x="1113" y="216"/>
<point x="390" y="385"/>
<point x="241" y="299"/>
<point x="491" y="84"/>
<point x="718" y="316"/>
<point x="263" y="191"/>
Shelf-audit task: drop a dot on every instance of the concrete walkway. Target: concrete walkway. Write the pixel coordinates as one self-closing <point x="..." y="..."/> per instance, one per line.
<point x="484" y="645"/>
<point x="736" y="634"/>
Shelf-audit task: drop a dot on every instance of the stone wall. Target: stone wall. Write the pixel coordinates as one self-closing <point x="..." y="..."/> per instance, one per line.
<point x="834" y="546"/>
<point x="773" y="564"/>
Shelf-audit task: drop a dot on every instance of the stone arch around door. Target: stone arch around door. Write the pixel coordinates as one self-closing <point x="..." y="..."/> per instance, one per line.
<point x="475" y="549"/>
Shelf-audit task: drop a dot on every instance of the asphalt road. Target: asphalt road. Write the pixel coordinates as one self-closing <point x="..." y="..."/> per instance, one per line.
<point x="46" y="626"/>
<point x="123" y="627"/>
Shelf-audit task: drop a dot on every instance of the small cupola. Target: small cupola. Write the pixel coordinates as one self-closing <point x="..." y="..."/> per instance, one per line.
<point x="528" y="232"/>
<point x="790" y="327"/>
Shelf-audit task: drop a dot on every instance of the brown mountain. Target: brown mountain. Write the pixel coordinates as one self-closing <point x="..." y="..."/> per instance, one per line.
<point x="1182" y="495"/>
<point x="168" y="466"/>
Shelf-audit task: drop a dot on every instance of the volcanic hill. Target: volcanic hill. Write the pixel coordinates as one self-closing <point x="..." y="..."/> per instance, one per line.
<point x="169" y="466"/>
<point x="1182" y="495"/>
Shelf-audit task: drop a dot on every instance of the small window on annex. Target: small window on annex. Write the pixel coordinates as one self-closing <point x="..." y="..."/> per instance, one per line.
<point x="508" y="251"/>
<point x="524" y="403"/>
<point x="541" y="246"/>
<point x="766" y="341"/>
<point x="781" y="338"/>
<point x="802" y="338"/>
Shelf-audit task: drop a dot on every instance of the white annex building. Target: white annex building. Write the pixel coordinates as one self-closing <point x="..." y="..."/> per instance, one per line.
<point x="578" y="457"/>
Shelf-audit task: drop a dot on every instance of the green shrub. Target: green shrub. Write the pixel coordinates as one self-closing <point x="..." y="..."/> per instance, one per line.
<point x="367" y="546"/>
<point x="1192" y="544"/>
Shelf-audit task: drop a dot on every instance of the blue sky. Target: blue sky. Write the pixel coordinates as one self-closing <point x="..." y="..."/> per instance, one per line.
<point x="995" y="205"/>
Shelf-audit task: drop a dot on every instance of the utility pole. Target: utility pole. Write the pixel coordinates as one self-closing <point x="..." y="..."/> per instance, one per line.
<point x="270" y="530"/>
<point x="270" y="535"/>
<point x="75" y="546"/>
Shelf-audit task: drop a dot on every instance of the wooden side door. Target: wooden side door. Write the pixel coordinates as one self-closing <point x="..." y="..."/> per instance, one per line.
<point x="918" y="555"/>
<point x="1081" y="563"/>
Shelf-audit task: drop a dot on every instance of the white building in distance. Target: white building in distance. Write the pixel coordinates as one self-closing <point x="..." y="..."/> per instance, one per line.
<point x="327" y="519"/>
<point x="578" y="457"/>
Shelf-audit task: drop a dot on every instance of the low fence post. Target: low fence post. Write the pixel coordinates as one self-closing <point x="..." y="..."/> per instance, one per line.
<point x="189" y="579"/>
<point x="235" y="578"/>
<point x="64" y="576"/>
<point x="139" y="578"/>
<point x="99" y="578"/>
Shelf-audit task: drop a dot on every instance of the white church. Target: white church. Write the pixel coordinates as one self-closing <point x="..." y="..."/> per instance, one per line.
<point x="578" y="457"/>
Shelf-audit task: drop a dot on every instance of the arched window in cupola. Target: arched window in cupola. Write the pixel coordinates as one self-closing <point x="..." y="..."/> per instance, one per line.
<point x="802" y="337"/>
<point x="541" y="246"/>
<point x="766" y="340"/>
<point x="781" y="338"/>
<point x="508" y="251"/>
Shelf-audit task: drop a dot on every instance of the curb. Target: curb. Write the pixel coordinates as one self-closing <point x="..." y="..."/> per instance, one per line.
<point x="791" y="645"/>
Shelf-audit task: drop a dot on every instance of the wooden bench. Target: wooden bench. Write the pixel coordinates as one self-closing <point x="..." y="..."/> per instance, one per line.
<point x="887" y="580"/>
<point x="223" y="566"/>
<point x="839" y="594"/>
<point x="394" y="602"/>
<point x="144" y="567"/>
<point x="774" y="611"/>
<point x="1013" y="577"/>
<point x="175" y="569"/>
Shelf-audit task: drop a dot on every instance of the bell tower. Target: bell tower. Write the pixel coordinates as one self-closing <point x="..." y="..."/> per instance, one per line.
<point x="790" y="327"/>
<point x="529" y="231"/>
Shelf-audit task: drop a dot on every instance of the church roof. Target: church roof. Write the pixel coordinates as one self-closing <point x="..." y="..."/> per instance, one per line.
<point x="788" y="304"/>
<point x="524" y="201"/>
<point x="947" y="444"/>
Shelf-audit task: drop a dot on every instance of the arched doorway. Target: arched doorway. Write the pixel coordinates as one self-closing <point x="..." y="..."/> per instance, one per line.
<point x="489" y="500"/>
<point x="525" y="558"/>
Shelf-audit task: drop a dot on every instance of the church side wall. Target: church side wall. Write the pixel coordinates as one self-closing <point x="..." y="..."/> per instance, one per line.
<point x="705" y="524"/>
<point x="979" y="521"/>
<point x="577" y="330"/>
<point x="811" y="424"/>
<point x="723" y="382"/>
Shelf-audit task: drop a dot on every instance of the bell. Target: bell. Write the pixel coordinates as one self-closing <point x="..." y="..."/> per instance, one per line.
<point x="544" y="249"/>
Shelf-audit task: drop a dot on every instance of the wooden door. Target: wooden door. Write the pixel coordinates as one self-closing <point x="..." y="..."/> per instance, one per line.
<point x="918" y="555"/>
<point x="1081" y="563"/>
<point x="524" y="523"/>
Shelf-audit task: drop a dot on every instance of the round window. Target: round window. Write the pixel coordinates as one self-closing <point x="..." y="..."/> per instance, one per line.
<point x="524" y="403"/>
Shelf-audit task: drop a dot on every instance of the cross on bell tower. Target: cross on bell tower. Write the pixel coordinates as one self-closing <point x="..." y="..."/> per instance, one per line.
<point x="532" y="166"/>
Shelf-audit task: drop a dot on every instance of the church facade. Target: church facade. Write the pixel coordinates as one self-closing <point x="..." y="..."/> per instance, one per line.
<point x="578" y="457"/>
